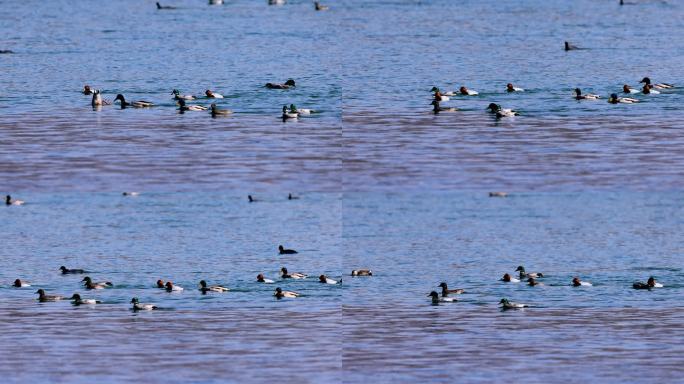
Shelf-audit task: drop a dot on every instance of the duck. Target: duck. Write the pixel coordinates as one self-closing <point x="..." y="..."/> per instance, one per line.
<point x="362" y="272"/>
<point x="97" y="100"/>
<point x="508" y="279"/>
<point x="614" y="99"/>
<point x="500" y="112"/>
<point x="170" y="287"/>
<point x="319" y="7"/>
<point x="211" y="95"/>
<point x="588" y="96"/>
<point x="523" y="274"/>
<point x="215" y="111"/>
<point x="326" y="280"/>
<point x="9" y="201"/>
<point x="161" y="7"/>
<point x="177" y="95"/>
<point x="446" y="291"/>
<point x="300" y="111"/>
<point x="20" y="284"/>
<point x="511" y="305"/>
<point x="261" y="279"/>
<point x="647" y="80"/>
<point x="436" y="299"/>
<point x="290" y="83"/>
<point x="131" y="194"/>
<point x="42" y="297"/>
<point x="215" y="2"/>
<point x="276" y="2"/>
<point x="279" y="293"/>
<point x="468" y="92"/>
<point x="251" y="199"/>
<point x="137" y="306"/>
<point x="532" y="282"/>
<point x="77" y="300"/>
<point x="292" y="197"/>
<point x="576" y="282"/>
<point x="89" y="284"/>
<point x="134" y="104"/>
<point x="160" y="284"/>
<point x="212" y="288"/>
<point x="651" y="283"/>
<point x="570" y="47"/>
<point x="627" y="89"/>
<point x="294" y="275"/>
<point x="648" y="90"/>
<point x="439" y="96"/>
<point x="498" y="194"/>
<point x="184" y="107"/>
<point x="284" y="251"/>
<point x="66" y="270"/>
<point x="511" y="88"/>
<point x="87" y="90"/>
<point x="437" y="109"/>
<point x="287" y="114"/>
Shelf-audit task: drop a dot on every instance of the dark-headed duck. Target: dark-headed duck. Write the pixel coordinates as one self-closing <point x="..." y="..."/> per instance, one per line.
<point x="576" y="282"/>
<point x="508" y="279"/>
<point x="170" y="287"/>
<point x="436" y="299"/>
<point x="284" y="251"/>
<point x="211" y="288"/>
<point x="647" y="80"/>
<point x="20" y="284"/>
<point x="293" y="275"/>
<point x="262" y="279"/>
<point x="362" y="272"/>
<point x="446" y="291"/>
<point x="326" y="280"/>
<point x="42" y="297"/>
<point x="66" y="270"/>
<point x="77" y="300"/>
<point x="290" y="83"/>
<point x="137" y="306"/>
<point x="9" y="201"/>
<point x="135" y="104"/>
<point x="279" y="293"/>
<point x="89" y="284"/>
<point x="524" y="274"/>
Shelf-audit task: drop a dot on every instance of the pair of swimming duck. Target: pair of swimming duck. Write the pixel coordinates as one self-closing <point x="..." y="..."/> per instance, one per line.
<point x="445" y="294"/>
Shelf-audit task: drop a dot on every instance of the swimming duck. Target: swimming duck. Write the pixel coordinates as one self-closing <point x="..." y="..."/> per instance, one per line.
<point x="627" y="89"/>
<point x="287" y="114"/>
<point x="284" y="251"/>
<point x="508" y="279"/>
<point x="446" y="291"/>
<point x="294" y="275"/>
<point x="292" y="197"/>
<point x="20" y="284"/>
<point x="279" y="293"/>
<point x="467" y="92"/>
<point x="159" y="6"/>
<point x="570" y="47"/>
<point x="215" y="111"/>
<point x="300" y="111"/>
<point x="319" y="7"/>
<point x="215" y="2"/>
<point x="184" y="107"/>
<point x="172" y="288"/>
<point x="160" y="284"/>
<point x="437" y="109"/>
<point x="134" y="104"/>
<point x="261" y="279"/>
<point x="439" y="96"/>
<point x="498" y="194"/>
<point x="42" y="297"/>
<point x="66" y="270"/>
<point x="131" y="194"/>
<point x="646" y="80"/>
<point x="436" y="299"/>
<point x="511" y="88"/>
<point x="251" y="199"/>
<point x="532" y="282"/>
<point x="326" y="280"/>
<point x="211" y="95"/>
<point x="212" y="288"/>
<point x="6" y="51"/>
<point x="288" y="84"/>
<point x="577" y="283"/>
<point x="614" y="99"/>
<point x="177" y="95"/>
<point x="97" y="100"/>
<point x="588" y="96"/>
<point x="511" y="305"/>
<point x="362" y="272"/>
<point x="89" y="284"/>
<point x="651" y="283"/>
<point x="276" y="2"/>
<point x="9" y="201"/>
<point x="142" y="307"/>
<point x="87" y="90"/>
<point x="500" y="112"/>
<point x="648" y="90"/>
<point x="78" y="301"/>
<point x="523" y="274"/>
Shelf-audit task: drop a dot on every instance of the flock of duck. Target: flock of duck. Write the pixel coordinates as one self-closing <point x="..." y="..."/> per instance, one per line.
<point x="648" y="88"/>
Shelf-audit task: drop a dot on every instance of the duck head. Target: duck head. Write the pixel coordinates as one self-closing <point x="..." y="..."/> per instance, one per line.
<point x="8" y="200"/>
<point x="169" y="285"/>
<point x="520" y="269"/>
<point x="494" y="107"/>
<point x="41" y="292"/>
<point x="134" y="300"/>
<point x="260" y="277"/>
<point x="626" y="88"/>
<point x="531" y="282"/>
<point x="281" y="248"/>
<point x="213" y="107"/>
<point x="293" y="108"/>
<point x="434" y="295"/>
<point x="181" y="103"/>
<point x="434" y="89"/>
<point x="160" y="283"/>
<point x="86" y="280"/>
<point x="17" y="283"/>
<point x="290" y="82"/>
<point x="76" y="297"/>
<point x="283" y="271"/>
<point x="509" y="87"/>
<point x="209" y="93"/>
<point x="503" y="301"/>
<point x="175" y="92"/>
<point x="62" y="268"/>
<point x="87" y="90"/>
<point x="322" y="278"/>
<point x="613" y="98"/>
<point x="203" y="284"/>
<point x="463" y="90"/>
<point x="576" y="281"/>
<point x="506" y="277"/>
<point x="651" y="282"/>
<point x="647" y="88"/>
<point x="120" y="98"/>
<point x="443" y="285"/>
<point x="284" y="109"/>
<point x="646" y="80"/>
<point x="578" y="92"/>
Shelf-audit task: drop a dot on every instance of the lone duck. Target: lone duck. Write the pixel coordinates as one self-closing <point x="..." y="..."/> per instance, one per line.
<point x="508" y="279"/>
<point x="20" y="284"/>
<point x="437" y="108"/>
<point x="284" y="251"/>
<point x="66" y="270"/>
<point x="142" y="307"/>
<point x="570" y="47"/>
<point x="651" y="283"/>
<point x="498" y="194"/>
<point x="576" y="282"/>
<point x="134" y="104"/>
<point x="292" y="197"/>
<point x="216" y="111"/>
<point x="467" y="92"/>
<point x="87" y="90"/>
<point x="288" y="114"/>
<point x="293" y="275"/>
<point x="77" y="300"/>
<point x="212" y="288"/>
<point x="614" y="99"/>
<point x="172" y="288"/>
<point x="511" y="305"/>
<point x="42" y="297"/>
<point x="362" y="272"/>
<point x="251" y="199"/>
<point x="326" y="280"/>
<point x="523" y="274"/>
<point x="436" y="299"/>
<point x="177" y="95"/>
<point x="89" y="284"/>
<point x="164" y="7"/>
<point x="261" y="279"/>
<point x="288" y="84"/>
<point x="446" y="291"/>
<point x="500" y="112"/>
<point x="160" y="284"/>
<point x="588" y="96"/>
<point x="647" y="80"/>
<point x="9" y="201"/>
<point x="182" y="107"/>
<point x="279" y="293"/>
<point x="533" y="283"/>
<point x="211" y="95"/>
<point x="131" y="194"/>
<point x="511" y="88"/>
<point x="319" y="7"/>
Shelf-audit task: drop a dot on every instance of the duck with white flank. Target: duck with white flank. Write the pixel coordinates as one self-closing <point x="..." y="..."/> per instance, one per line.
<point x="441" y="96"/>
<point x="170" y="287"/>
<point x="130" y="194"/>
<point x="651" y="283"/>
<point x="216" y="111"/>
<point x="89" y="284"/>
<point x="135" y="104"/>
<point x="524" y="274"/>
<point x="467" y="92"/>
<point x="66" y="270"/>
<point x="77" y="300"/>
<point x="137" y="306"/>
<point x="293" y="275"/>
<point x="20" y="284"/>
<point x="319" y="7"/>
<point x="284" y="251"/>
<point x="177" y="95"/>
<point x="508" y="279"/>
<point x="498" y="194"/>
<point x="262" y="279"/>
<point x="627" y="89"/>
<point x="326" y="280"/>
<point x="212" y="95"/>
<point x="437" y="108"/>
<point x="292" y="197"/>
<point x="576" y="282"/>
<point x="446" y="291"/>
<point x="183" y="107"/>
<point x="287" y="85"/>
<point x="288" y="114"/>
<point x="648" y="90"/>
<point x="436" y="299"/>
<point x="614" y="99"/>
<point x="42" y="297"/>
<point x="500" y="112"/>
<point x="511" y="88"/>
<point x="160" y="284"/>
<point x="279" y="294"/>
<point x="588" y="96"/>
<point x="301" y="111"/>
<point x="9" y="201"/>
<point x="211" y="288"/>
<point x="533" y="283"/>
<point x="647" y="81"/>
<point x="362" y="272"/>
<point x="505" y="304"/>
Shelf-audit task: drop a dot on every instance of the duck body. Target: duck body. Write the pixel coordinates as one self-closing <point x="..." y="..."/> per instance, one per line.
<point x="294" y="275"/>
<point x="362" y="272"/>
<point x="509" y="279"/>
<point x="77" y="300"/>
<point x="211" y="95"/>
<point x="66" y="271"/>
<point x="468" y="92"/>
<point x="89" y="284"/>
<point x="211" y="288"/>
<point x="319" y="7"/>
<point x="436" y="299"/>
<point x="137" y="306"/>
<point x="182" y="107"/>
<point x="500" y="112"/>
<point x="437" y="108"/>
<point x="647" y="81"/>
<point x="135" y="104"/>
<point x="20" y="284"/>
<point x="614" y="99"/>
<point x="506" y="304"/>
<point x="446" y="291"/>
<point x="283" y="251"/>
<point x="177" y="96"/>
<point x="10" y="201"/>
<point x="290" y="83"/>
<point x="42" y="297"/>
<point x="326" y="280"/>
<point x="280" y="294"/>
<point x="588" y="96"/>
<point x="262" y="279"/>
<point x="300" y="111"/>
<point x="498" y="194"/>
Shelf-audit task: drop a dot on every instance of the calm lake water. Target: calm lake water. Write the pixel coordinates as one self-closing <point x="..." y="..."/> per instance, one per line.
<point x="384" y="184"/>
